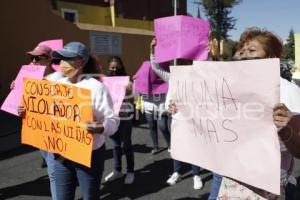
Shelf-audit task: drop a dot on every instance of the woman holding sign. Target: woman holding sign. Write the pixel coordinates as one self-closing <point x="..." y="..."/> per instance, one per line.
<point x="257" y="44"/>
<point x="41" y="56"/>
<point x="76" y="67"/>
<point x="123" y="135"/>
<point x="177" y="165"/>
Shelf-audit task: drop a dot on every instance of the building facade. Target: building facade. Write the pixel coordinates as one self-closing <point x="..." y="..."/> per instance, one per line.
<point x="126" y="13"/>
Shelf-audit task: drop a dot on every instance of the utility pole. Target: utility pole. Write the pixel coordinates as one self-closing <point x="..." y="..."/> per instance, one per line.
<point x="198" y="3"/>
<point x="175" y="7"/>
<point x="175" y="13"/>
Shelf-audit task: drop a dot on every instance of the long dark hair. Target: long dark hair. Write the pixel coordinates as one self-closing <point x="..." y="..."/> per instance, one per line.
<point x="121" y="67"/>
<point x="92" y="66"/>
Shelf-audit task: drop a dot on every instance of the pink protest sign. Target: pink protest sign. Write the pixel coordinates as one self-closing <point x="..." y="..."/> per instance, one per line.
<point x="116" y="86"/>
<point x="147" y="82"/>
<point x="141" y="82"/>
<point x="225" y="115"/>
<point x="54" y="45"/>
<point x="181" y="37"/>
<point x="13" y="99"/>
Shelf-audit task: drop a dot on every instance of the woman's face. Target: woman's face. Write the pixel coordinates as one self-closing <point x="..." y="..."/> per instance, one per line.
<point x="251" y="50"/>
<point x="113" y="65"/>
<point x="71" y="67"/>
<point x="115" y="69"/>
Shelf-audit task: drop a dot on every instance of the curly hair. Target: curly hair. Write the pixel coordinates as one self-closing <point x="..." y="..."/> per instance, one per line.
<point x="271" y="43"/>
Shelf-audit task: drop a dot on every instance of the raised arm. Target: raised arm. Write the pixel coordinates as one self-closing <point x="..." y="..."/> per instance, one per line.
<point x="163" y="74"/>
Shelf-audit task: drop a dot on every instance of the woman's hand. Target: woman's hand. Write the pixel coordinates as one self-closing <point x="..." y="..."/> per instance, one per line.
<point x="12" y="85"/>
<point x="21" y="111"/>
<point x="281" y="116"/>
<point x="172" y="108"/>
<point x="128" y="88"/>
<point x="134" y="77"/>
<point x="94" y="127"/>
<point x="152" y="45"/>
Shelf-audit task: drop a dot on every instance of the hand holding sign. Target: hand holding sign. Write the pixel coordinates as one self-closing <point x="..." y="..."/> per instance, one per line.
<point x="128" y="89"/>
<point x="224" y="113"/>
<point x="12" y="85"/>
<point x="152" y="45"/>
<point x="13" y="100"/>
<point x="281" y="116"/>
<point x="172" y="109"/>
<point x="55" y="119"/>
<point x="94" y="127"/>
<point x="21" y="111"/>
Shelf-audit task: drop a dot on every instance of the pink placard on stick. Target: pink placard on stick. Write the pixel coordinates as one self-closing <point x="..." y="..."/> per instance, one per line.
<point x="181" y="37"/>
<point x="225" y="115"/>
<point x="116" y="86"/>
<point x="13" y="99"/>
<point x="54" y="45"/>
<point x="147" y="82"/>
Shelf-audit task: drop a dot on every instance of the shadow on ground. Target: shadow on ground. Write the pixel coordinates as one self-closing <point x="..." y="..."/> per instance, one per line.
<point x="152" y="173"/>
<point x="202" y="197"/>
<point x="17" y="151"/>
<point x="37" y="187"/>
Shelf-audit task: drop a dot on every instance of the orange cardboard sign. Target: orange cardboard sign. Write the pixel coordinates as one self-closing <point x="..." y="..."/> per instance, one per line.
<point x="55" y="119"/>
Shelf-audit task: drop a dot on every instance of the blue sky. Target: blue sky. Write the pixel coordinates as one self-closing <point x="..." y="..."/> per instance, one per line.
<point x="278" y="16"/>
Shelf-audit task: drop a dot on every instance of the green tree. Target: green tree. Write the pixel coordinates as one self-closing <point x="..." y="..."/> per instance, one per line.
<point x="218" y="13"/>
<point x="289" y="47"/>
<point x="229" y="49"/>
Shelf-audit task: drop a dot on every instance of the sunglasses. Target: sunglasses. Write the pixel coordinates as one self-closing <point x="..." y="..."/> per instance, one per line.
<point x="37" y="58"/>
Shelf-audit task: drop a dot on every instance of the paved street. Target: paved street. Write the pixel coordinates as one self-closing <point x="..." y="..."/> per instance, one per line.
<point x="22" y="178"/>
